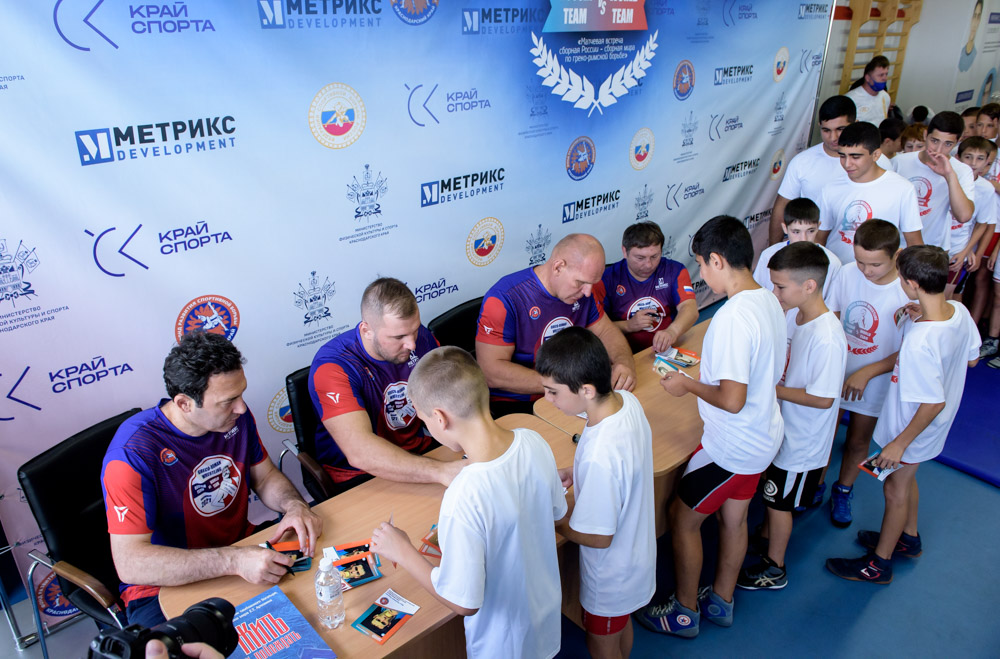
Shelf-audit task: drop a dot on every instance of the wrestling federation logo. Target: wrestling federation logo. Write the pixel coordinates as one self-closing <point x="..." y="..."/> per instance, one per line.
<point x="484" y="241"/>
<point x="650" y="304"/>
<point x="860" y="325"/>
<point x="279" y="412"/>
<point x="414" y="12"/>
<point x="641" y="150"/>
<point x="398" y="408"/>
<point x="337" y="116"/>
<point x="857" y="211"/>
<point x="924" y="191"/>
<point x="555" y="326"/>
<point x="581" y="158"/>
<point x="51" y="600"/>
<point x="777" y="164"/>
<point x="167" y="457"/>
<point x="214" y="484"/>
<point x="683" y="80"/>
<point x="209" y="313"/>
<point x="780" y="64"/>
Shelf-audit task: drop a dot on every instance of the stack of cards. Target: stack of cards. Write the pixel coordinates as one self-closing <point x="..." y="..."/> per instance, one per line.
<point x="430" y="545"/>
<point x="291" y="548"/>
<point x="679" y="357"/>
<point x="878" y="472"/>
<point x="355" y="561"/>
<point x="385" y="616"/>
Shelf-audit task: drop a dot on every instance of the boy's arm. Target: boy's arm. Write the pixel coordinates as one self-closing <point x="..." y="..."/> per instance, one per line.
<point x="728" y="395"/>
<point x="799" y="396"/>
<point x="855" y="383"/>
<point x="585" y="539"/>
<point x="892" y="452"/>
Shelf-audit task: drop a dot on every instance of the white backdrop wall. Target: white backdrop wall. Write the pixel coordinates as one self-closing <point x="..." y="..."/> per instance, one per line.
<point x="248" y="168"/>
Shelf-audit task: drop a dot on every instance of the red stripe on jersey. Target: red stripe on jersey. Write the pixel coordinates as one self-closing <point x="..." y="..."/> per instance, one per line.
<point x="333" y="388"/>
<point x="683" y="282"/>
<point x="125" y="511"/>
<point x="490" y="326"/>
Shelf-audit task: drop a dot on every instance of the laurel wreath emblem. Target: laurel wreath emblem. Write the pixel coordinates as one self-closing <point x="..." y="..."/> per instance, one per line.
<point x="578" y="90"/>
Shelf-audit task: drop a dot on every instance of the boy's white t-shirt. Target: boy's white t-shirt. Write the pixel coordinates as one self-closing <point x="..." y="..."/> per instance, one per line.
<point x="746" y="343"/>
<point x="933" y="197"/>
<point x="986" y="213"/>
<point x="817" y="356"/>
<point x="931" y="368"/>
<point x="867" y="314"/>
<point x="613" y="481"/>
<point x="498" y="550"/>
<point x="844" y="205"/>
<point x="809" y="172"/>
<point x="762" y="275"/>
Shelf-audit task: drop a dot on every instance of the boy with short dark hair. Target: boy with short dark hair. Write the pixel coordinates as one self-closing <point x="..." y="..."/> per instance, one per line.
<point x="969" y="239"/>
<point x="743" y="356"/>
<point x="613" y="519"/>
<point x="801" y="224"/>
<point x="498" y="547"/>
<point x="939" y="340"/>
<point x="808" y="391"/>
<point x="868" y="191"/>
<point x="865" y="297"/>
<point x="969" y="116"/>
<point x="891" y="130"/>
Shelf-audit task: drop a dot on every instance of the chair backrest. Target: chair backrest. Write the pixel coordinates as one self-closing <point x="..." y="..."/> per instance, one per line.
<point x="63" y="489"/>
<point x="457" y="326"/>
<point x="305" y="421"/>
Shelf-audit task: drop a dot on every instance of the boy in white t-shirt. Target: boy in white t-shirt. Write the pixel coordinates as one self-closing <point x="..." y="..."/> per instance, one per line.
<point x="808" y="391"/>
<point x="815" y="167"/>
<point x="865" y="298"/>
<point x="939" y="340"/>
<point x="944" y="185"/>
<point x="613" y="519"/>
<point x="801" y="224"/>
<point x="498" y="546"/>
<point x="969" y="240"/>
<point x="868" y="191"/>
<point x="743" y="356"/>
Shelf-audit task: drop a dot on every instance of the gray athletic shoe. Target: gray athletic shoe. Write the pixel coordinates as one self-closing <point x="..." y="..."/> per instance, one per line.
<point x="990" y="347"/>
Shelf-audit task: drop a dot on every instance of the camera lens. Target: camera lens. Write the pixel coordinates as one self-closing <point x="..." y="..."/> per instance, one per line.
<point x="209" y="621"/>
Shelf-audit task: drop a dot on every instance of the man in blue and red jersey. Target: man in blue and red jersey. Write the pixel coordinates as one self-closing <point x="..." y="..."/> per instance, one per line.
<point x="177" y="478"/>
<point x="648" y="296"/>
<point x="527" y="307"/>
<point x="358" y="386"/>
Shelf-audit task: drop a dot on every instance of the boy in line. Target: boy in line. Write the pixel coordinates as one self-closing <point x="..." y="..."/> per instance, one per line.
<point x="891" y="132"/>
<point x="498" y="546"/>
<point x="969" y="116"/>
<point x="817" y="166"/>
<point x="943" y="184"/>
<point x="613" y="519"/>
<point x="808" y="391"/>
<point x="913" y="138"/>
<point x="994" y="328"/>
<point x="745" y="344"/>
<point x="868" y="191"/>
<point x="926" y="389"/>
<point x="648" y="296"/>
<point x="970" y="239"/>
<point x="801" y="224"/>
<point x="865" y="298"/>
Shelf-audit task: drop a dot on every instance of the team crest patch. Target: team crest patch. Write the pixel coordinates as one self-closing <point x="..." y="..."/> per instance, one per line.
<point x="683" y="80"/>
<point x="214" y="484"/>
<point x="484" y="241"/>
<point x="337" y="116"/>
<point x="581" y="158"/>
<point x="209" y="313"/>
<point x="620" y="290"/>
<point x="168" y="457"/>
<point x="398" y="408"/>
<point x="534" y="312"/>
<point x="51" y="600"/>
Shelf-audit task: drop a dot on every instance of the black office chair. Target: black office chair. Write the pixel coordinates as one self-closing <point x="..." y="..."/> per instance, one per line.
<point x="63" y="489"/>
<point x="457" y="326"/>
<point x="317" y="482"/>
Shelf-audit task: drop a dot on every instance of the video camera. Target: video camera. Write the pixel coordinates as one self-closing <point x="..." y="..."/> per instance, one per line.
<point x="209" y="621"/>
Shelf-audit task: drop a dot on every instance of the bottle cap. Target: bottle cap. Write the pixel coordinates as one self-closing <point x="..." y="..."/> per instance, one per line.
<point x="326" y="564"/>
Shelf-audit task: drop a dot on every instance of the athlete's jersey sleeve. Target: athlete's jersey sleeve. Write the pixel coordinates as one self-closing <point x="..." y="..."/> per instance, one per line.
<point x="600" y="293"/>
<point x="684" y="290"/>
<point x="124" y="500"/>
<point x="494" y="325"/>
<point x="336" y="393"/>
<point x="595" y="310"/>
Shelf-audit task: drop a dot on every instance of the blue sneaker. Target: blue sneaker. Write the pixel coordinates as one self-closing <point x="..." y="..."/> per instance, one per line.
<point x="818" y="497"/>
<point x="840" y="505"/>
<point x="671" y="618"/>
<point x="715" y="608"/>
<point x="868" y="568"/>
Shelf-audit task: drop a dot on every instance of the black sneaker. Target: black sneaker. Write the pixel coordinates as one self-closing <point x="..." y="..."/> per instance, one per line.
<point x="868" y="568"/>
<point x="763" y="576"/>
<point x="908" y="546"/>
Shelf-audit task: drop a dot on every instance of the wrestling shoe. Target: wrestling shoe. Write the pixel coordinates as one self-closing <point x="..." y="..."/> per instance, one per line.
<point x="715" y="608"/>
<point x="868" y="568"/>
<point x="763" y="576"/>
<point x="671" y="618"/>
<point x="990" y="347"/>
<point x="840" y="505"/>
<point x="908" y="546"/>
<point x="994" y="363"/>
<point x="816" y="500"/>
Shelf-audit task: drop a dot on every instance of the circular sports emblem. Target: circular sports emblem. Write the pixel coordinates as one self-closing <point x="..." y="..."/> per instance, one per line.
<point x="860" y="324"/>
<point x="168" y="457"/>
<point x="580" y="158"/>
<point x="770" y="489"/>
<point x="214" y="484"/>
<point x="683" y="80"/>
<point x="209" y="313"/>
<point x="279" y="412"/>
<point x="924" y="190"/>
<point x="620" y="290"/>
<point x="414" y="12"/>
<point x="683" y="620"/>
<point x="399" y="410"/>
<point x="644" y="303"/>
<point x="337" y="116"/>
<point x="777" y="164"/>
<point x="484" y="241"/>
<point x="534" y="312"/>
<point x="857" y="211"/>
<point x="383" y="601"/>
<point x="640" y="152"/>
<point x="780" y="64"/>
<point x="51" y="600"/>
<point x="555" y="326"/>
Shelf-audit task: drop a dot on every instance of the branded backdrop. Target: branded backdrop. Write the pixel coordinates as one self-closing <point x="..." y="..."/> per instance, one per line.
<point x="248" y="167"/>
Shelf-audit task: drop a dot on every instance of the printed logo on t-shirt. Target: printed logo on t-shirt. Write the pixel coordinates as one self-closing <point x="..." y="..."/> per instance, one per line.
<point x="399" y="410"/>
<point x="924" y="190"/>
<point x="660" y="284"/>
<point x="620" y="290"/>
<point x="231" y="432"/>
<point x="860" y="325"/>
<point x="168" y="457"/>
<point x="121" y="511"/>
<point x="335" y="397"/>
<point x="857" y="211"/>
<point x="895" y="370"/>
<point x="534" y="312"/>
<point x="555" y="326"/>
<point x="644" y="303"/>
<point x="213" y="485"/>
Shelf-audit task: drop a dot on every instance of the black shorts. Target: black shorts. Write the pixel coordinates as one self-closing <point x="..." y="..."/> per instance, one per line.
<point x="785" y="490"/>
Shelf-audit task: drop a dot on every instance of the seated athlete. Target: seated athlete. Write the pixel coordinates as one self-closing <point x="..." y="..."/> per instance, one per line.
<point x="358" y="385"/>
<point x="177" y="479"/>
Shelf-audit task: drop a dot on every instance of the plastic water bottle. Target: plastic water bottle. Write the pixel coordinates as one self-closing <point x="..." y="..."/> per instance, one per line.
<point x="329" y="595"/>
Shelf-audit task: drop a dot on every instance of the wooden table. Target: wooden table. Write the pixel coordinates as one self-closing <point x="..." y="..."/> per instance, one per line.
<point x="675" y="422"/>
<point x="435" y="631"/>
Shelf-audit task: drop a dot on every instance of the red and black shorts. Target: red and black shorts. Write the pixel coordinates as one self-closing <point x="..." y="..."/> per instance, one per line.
<point x="705" y="486"/>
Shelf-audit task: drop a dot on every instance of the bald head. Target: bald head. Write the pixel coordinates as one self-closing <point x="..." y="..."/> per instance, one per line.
<point x="578" y="249"/>
<point x="577" y="263"/>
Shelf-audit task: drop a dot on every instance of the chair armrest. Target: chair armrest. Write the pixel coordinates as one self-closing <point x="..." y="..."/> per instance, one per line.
<point x="317" y="472"/>
<point x="94" y="588"/>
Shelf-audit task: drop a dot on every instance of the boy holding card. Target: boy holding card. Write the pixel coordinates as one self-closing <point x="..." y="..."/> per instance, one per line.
<point x="612" y="473"/>
<point x="924" y="394"/>
<point x="743" y="356"/>
<point x="808" y="391"/>
<point x="498" y="545"/>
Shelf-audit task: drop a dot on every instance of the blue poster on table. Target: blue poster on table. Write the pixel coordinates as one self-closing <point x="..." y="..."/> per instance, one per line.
<point x="269" y="625"/>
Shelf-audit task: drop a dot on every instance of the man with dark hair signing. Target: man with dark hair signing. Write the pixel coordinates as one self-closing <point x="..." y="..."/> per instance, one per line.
<point x="177" y="479"/>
